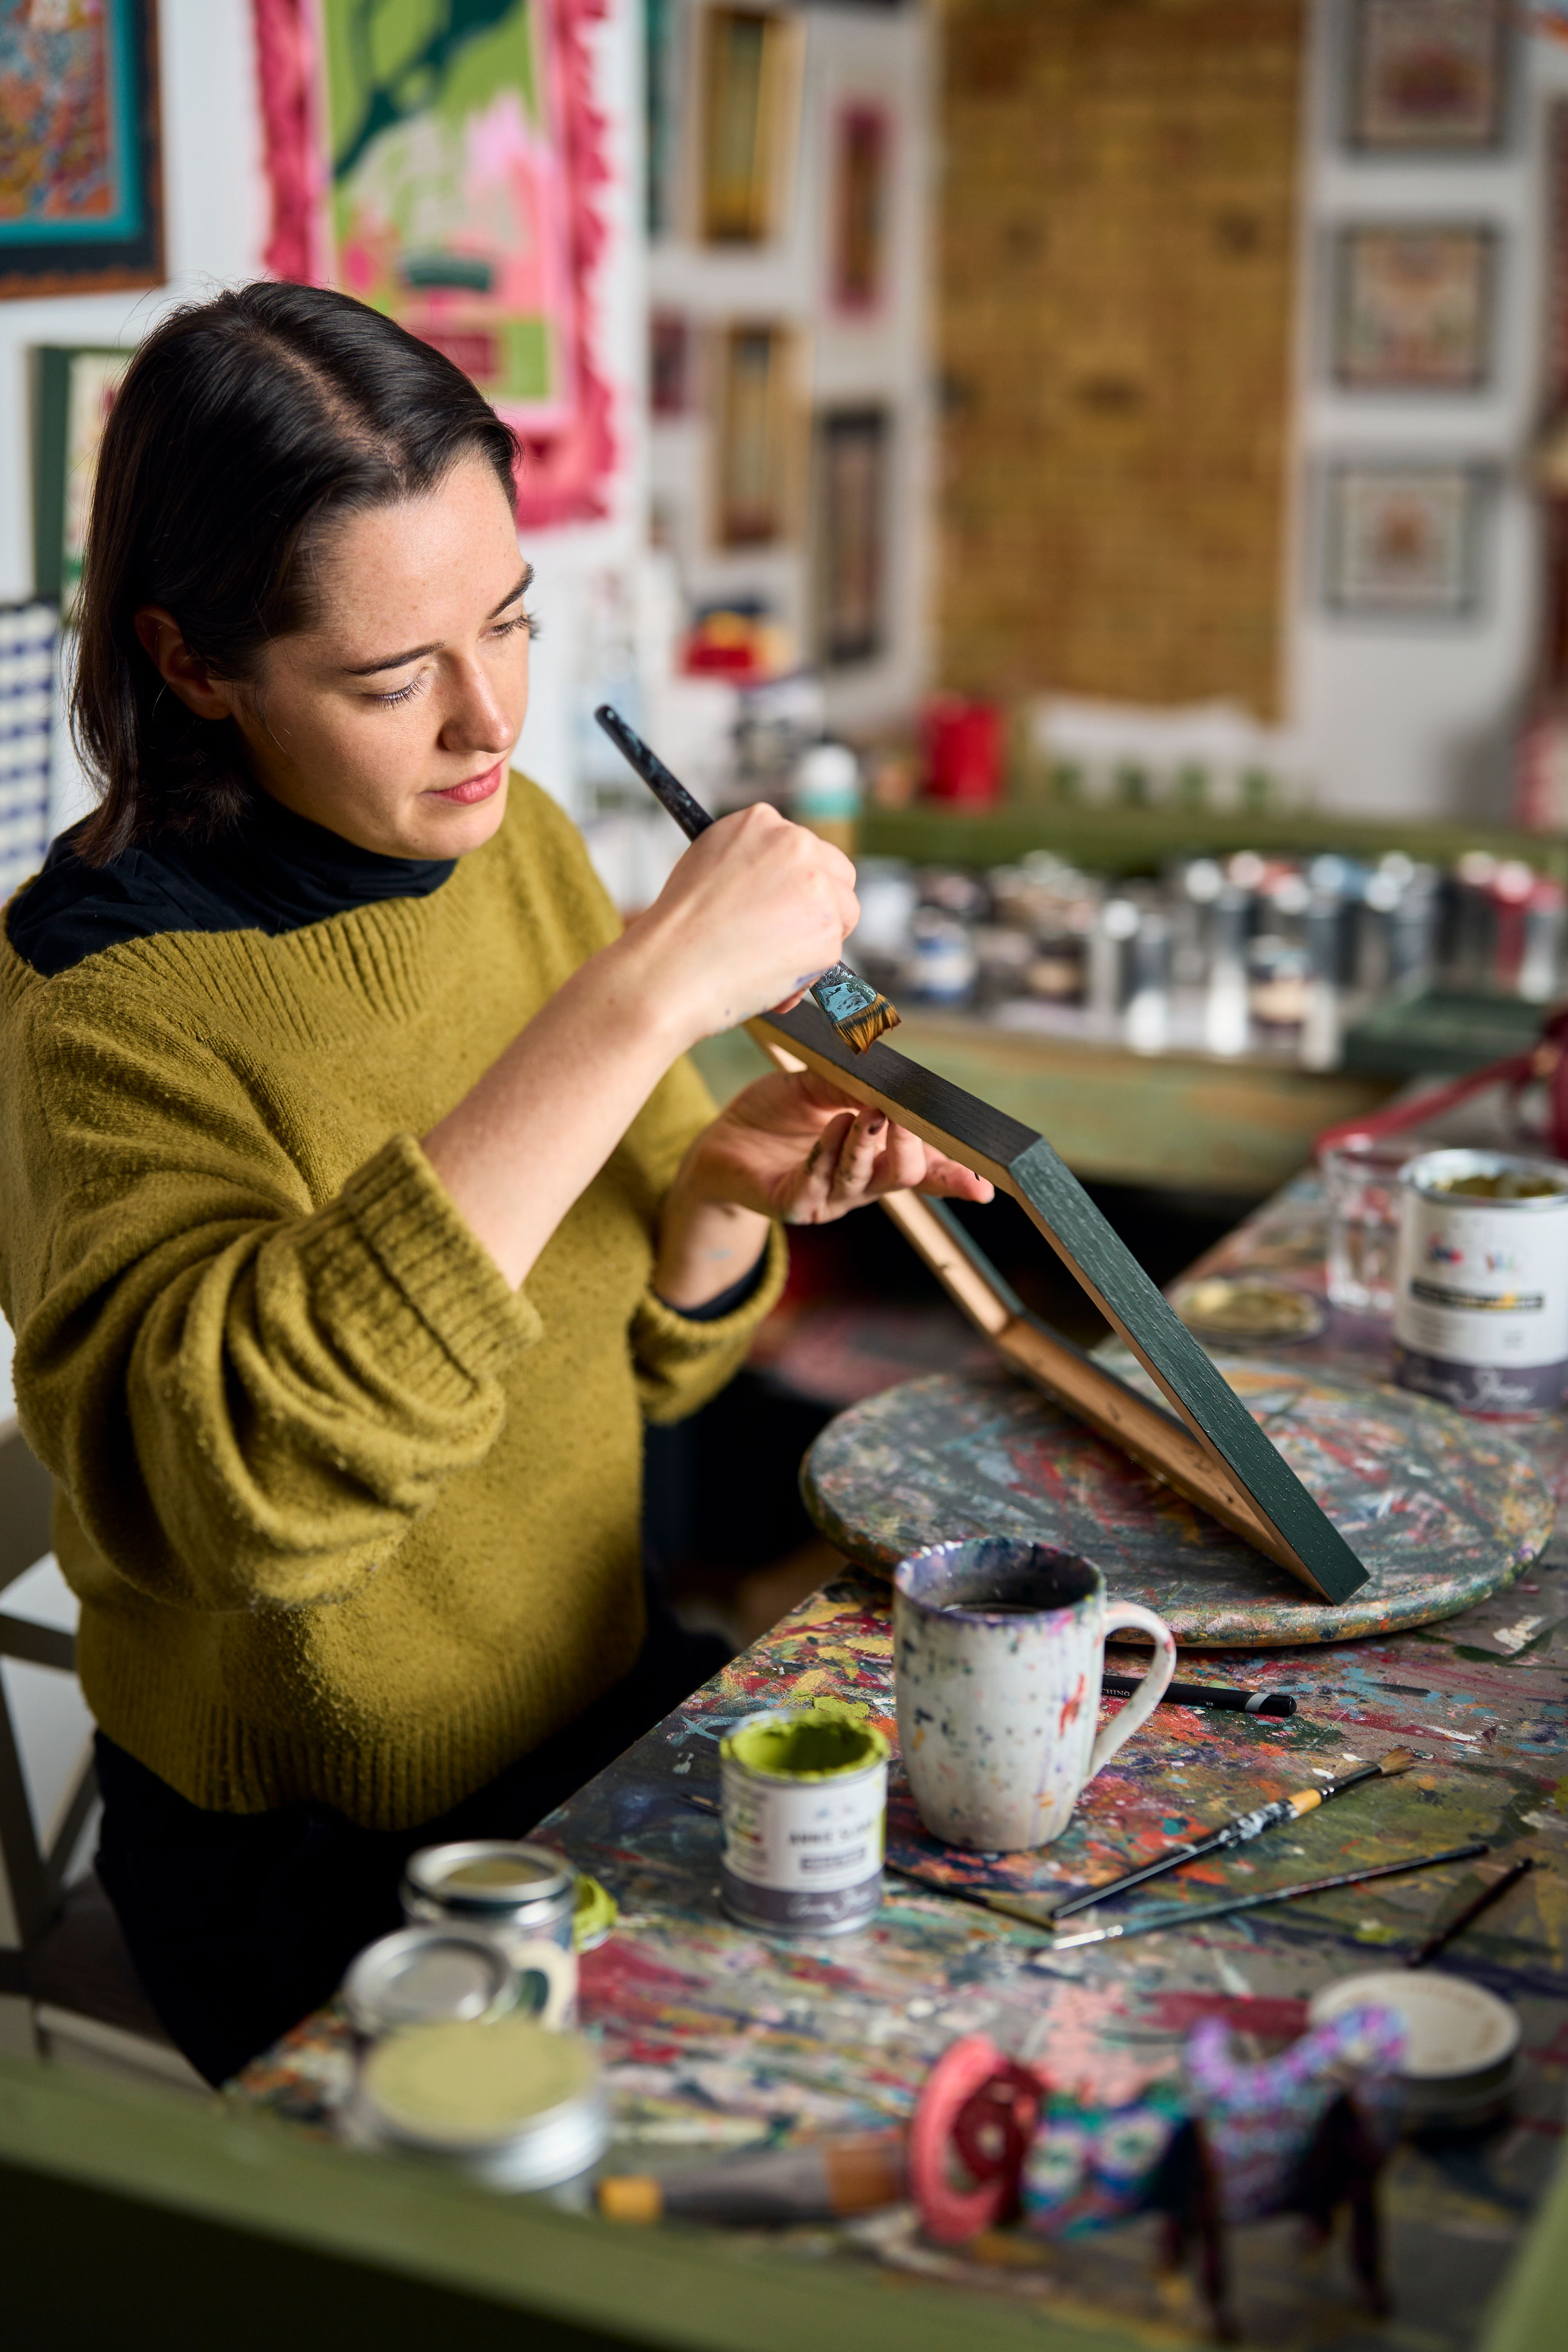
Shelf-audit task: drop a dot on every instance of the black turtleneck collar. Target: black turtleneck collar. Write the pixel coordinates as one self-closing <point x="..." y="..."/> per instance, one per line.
<point x="273" y="872"/>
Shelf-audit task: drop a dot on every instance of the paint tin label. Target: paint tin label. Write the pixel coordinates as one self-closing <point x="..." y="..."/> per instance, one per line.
<point x="1480" y="1315"/>
<point x="803" y="1850"/>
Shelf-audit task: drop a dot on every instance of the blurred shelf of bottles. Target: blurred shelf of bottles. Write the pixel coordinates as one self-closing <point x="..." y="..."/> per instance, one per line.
<point x="1285" y="959"/>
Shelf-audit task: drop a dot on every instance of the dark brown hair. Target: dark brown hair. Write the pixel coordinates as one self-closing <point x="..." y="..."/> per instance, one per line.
<point x="242" y="427"/>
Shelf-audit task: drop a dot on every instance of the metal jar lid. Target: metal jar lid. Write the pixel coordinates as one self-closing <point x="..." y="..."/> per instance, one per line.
<point x="423" y="1975"/>
<point x="522" y="2106"/>
<point x="487" y="1877"/>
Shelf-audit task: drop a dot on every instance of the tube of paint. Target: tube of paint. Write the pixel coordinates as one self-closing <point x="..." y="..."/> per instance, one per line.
<point x="813" y="2183"/>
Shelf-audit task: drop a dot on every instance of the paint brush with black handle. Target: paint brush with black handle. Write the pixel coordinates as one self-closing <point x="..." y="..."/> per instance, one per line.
<point x="856" y="1009"/>
<point x="1239" y="1831"/>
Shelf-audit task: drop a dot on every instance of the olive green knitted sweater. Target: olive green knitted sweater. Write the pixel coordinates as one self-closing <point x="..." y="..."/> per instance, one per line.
<point x="348" y="1517"/>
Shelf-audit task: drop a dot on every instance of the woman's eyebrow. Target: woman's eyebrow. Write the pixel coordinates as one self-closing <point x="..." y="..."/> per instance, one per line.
<point x="416" y="652"/>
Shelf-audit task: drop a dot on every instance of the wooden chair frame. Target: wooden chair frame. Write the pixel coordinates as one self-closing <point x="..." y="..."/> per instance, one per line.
<point x="1207" y="1446"/>
<point x="35" y="1878"/>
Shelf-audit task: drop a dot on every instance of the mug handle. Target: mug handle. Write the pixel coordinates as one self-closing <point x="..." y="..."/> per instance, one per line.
<point x="1137" y="1711"/>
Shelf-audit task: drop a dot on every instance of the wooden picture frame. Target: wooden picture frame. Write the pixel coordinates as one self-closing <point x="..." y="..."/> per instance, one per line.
<point x="750" y="94"/>
<point x="1428" y="77"/>
<point x="853" y="451"/>
<point x="75" y="388"/>
<point x="1207" y="1446"/>
<point x="1402" y="537"/>
<point x="863" y="141"/>
<point x="1414" y="305"/>
<point x="83" y="99"/>
<point x="758" y="429"/>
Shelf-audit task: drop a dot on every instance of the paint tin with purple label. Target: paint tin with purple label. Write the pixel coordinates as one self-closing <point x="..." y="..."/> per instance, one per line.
<point x="1481" y="1312"/>
<point x="805" y="1800"/>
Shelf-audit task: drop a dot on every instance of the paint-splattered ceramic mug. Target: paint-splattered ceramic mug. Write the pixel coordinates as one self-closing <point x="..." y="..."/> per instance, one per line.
<point x="998" y="1648"/>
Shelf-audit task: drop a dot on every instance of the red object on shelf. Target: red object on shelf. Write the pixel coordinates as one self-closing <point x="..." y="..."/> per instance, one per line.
<point x="964" y="745"/>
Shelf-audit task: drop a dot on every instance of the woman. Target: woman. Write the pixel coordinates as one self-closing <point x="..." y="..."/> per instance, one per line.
<point x="357" y="1200"/>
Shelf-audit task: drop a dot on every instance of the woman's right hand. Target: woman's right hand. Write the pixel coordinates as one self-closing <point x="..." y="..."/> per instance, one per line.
<point x="755" y="910"/>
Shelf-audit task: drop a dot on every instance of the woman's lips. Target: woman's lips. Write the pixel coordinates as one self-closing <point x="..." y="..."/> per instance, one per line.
<point x="478" y="788"/>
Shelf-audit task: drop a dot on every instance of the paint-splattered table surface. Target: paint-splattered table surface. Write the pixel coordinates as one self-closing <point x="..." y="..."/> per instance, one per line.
<point x="717" y="2039"/>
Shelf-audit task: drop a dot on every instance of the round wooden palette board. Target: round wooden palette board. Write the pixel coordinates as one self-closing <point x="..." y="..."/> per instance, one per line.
<point x="1440" y="1509"/>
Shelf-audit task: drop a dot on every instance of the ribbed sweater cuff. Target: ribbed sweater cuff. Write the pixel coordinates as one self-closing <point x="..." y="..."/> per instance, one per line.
<point x="404" y="1216"/>
<point x="666" y="1339"/>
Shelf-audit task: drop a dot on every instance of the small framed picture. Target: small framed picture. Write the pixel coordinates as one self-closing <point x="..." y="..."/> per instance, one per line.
<point x="670" y="364"/>
<point x="82" y="209"/>
<point x="76" y="390"/>
<point x="750" y="107"/>
<point x="852" y="454"/>
<point x="863" y="138"/>
<point x="1413" y="308"/>
<point x="1402" y="537"/>
<point x="1429" y="76"/>
<point x="758" y="423"/>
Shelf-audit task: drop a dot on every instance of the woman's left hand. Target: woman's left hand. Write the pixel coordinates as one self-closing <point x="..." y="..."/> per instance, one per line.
<point x="791" y="1147"/>
<point x="795" y="1148"/>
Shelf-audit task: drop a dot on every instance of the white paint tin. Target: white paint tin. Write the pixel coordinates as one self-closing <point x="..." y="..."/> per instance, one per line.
<point x="805" y="1799"/>
<point x="522" y="1896"/>
<point x="1481" y="1309"/>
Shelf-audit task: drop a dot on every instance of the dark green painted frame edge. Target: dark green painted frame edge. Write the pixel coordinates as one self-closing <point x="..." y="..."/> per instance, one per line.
<point x="581" y="2279"/>
<point x="52" y="428"/>
<point x="1098" y="1252"/>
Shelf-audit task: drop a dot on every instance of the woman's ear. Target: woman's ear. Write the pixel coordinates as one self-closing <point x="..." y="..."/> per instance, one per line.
<point x="182" y="671"/>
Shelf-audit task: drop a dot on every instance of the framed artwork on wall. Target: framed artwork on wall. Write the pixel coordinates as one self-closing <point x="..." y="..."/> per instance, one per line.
<point x="1402" y="537"/>
<point x="441" y="162"/>
<point x="1429" y="76"/>
<point x="75" y="390"/>
<point x="863" y="141"/>
<point x="852" y="461"/>
<point x="749" y="118"/>
<point x="758" y="426"/>
<point x="1413" y="308"/>
<point x="81" y="204"/>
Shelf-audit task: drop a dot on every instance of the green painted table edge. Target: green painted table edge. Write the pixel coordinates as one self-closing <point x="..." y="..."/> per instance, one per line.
<point x="583" y="2280"/>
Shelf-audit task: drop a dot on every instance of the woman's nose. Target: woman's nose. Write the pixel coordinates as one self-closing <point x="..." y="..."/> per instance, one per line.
<point x="478" y="719"/>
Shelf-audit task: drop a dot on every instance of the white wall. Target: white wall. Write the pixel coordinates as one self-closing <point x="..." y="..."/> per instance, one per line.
<point x="1410" y="718"/>
<point x="874" y="54"/>
<point x="217" y="225"/>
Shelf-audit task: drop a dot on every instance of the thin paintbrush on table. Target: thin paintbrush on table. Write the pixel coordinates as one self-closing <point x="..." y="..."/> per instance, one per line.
<point x="857" y="1010"/>
<point x="1239" y="1831"/>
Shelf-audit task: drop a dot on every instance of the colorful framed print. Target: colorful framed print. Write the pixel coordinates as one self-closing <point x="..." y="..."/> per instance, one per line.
<point x="758" y="424"/>
<point x="852" y="454"/>
<point x="82" y="205"/>
<point x="1402" y="539"/>
<point x="750" y="93"/>
<point x="863" y="138"/>
<point x="1413" y="308"/>
<point x="74" y="392"/>
<point x="439" y="159"/>
<point x="1430" y="76"/>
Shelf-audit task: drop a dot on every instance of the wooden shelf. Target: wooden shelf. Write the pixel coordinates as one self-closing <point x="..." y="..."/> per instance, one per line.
<point x="1141" y="840"/>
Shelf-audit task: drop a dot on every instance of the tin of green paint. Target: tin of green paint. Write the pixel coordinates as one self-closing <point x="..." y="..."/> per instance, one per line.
<point x="806" y="1797"/>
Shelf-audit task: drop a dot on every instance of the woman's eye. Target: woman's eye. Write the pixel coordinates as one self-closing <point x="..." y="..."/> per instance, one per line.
<point x="519" y="621"/>
<point x="400" y="694"/>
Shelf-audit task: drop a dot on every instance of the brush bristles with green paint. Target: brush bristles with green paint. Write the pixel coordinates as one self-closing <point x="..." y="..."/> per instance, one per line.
<point x="857" y="1010"/>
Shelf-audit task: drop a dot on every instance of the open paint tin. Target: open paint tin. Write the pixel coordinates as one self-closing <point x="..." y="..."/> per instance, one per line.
<point x="428" y="1974"/>
<point x="806" y="1801"/>
<point x="511" y="2104"/>
<point x="522" y="1895"/>
<point x="1480" y="1291"/>
<point x="1461" y="2043"/>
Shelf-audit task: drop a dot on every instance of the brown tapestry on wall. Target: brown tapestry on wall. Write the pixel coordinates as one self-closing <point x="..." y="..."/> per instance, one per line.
<point x="1117" y="256"/>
